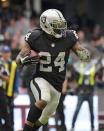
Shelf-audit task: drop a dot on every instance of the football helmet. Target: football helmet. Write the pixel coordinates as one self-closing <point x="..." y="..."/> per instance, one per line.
<point x="53" y="22"/>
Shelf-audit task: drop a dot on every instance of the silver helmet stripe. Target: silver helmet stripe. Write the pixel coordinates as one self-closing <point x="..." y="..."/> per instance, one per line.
<point x="58" y="14"/>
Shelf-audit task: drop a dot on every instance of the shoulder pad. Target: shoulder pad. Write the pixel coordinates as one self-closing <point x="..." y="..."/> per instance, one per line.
<point x="72" y="33"/>
<point x="36" y="33"/>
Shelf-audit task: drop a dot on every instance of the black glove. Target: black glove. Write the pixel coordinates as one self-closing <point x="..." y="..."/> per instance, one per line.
<point x="30" y="60"/>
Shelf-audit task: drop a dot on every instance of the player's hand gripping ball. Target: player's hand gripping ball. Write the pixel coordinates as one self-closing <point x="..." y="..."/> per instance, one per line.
<point x="33" y="58"/>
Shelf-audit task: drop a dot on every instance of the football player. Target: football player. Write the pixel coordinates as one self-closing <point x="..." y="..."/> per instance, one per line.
<point x="52" y="42"/>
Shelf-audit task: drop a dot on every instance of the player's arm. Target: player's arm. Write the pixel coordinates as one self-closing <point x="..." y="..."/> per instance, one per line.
<point x="67" y="80"/>
<point x="25" y="51"/>
<point x="81" y="52"/>
<point x="4" y="77"/>
<point x="65" y="86"/>
<point x="24" y="57"/>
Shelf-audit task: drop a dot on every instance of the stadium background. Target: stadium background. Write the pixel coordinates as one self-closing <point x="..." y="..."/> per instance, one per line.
<point x="17" y="17"/>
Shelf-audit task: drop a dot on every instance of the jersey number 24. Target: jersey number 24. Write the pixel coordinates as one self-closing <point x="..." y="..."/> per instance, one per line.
<point x="45" y="64"/>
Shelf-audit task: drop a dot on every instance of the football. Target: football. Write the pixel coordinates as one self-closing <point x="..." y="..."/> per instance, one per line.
<point x="33" y="53"/>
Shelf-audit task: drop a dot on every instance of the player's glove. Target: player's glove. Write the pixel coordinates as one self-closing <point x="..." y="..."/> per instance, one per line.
<point x="84" y="55"/>
<point x="29" y="60"/>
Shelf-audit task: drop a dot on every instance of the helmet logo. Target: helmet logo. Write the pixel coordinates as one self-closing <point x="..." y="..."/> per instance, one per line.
<point x="43" y="19"/>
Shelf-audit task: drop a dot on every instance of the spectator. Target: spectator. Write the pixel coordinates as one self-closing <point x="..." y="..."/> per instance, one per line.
<point x="86" y="83"/>
<point x="13" y="84"/>
<point x="22" y="24"/>
<point x="81" y="35"/>
<point x="11" y="30"/>
<point x="4" y="114"/>
<point x="98" y="39"/>
<point x="34" y="20"/>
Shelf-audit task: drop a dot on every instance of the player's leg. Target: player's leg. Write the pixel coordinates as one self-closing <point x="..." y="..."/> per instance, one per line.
<point x="51" y="106"/>
<point x="45" y="127"/>
<point x="42" y="95"/>
<point x="90" y="101"/>
<point x="79" y="103"/>
<point x="49" y="110"/>
<point x="60" y="112"/>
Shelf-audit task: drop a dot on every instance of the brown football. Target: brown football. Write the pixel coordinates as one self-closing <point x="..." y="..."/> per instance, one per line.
<point x="33" y="53"/>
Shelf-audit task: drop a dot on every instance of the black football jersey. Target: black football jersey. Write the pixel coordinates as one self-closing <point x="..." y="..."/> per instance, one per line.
<point x="54" y="55"/>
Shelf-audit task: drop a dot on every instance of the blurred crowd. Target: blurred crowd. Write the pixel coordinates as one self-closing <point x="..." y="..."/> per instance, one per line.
<point x="13" y="26"/>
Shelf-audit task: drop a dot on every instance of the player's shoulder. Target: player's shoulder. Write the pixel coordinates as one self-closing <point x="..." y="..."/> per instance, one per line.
<point x="37" y="31"/>
<point x="34" y="34"/>
<point x="71" y="33"/>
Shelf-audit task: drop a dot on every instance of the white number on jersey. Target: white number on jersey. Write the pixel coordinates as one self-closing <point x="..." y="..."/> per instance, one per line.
<point x="45" y="62"/>
<point x="74" y="32"/>
<point x="27" y="36"/>
<point x="58" y="62"/>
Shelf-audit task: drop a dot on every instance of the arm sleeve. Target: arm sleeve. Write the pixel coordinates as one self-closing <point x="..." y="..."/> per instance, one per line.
<point x="73" y="37"/>
<point x="29" y="39"/>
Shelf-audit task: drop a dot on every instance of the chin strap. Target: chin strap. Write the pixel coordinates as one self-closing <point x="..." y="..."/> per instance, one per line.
<point x="56" y="35"/>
